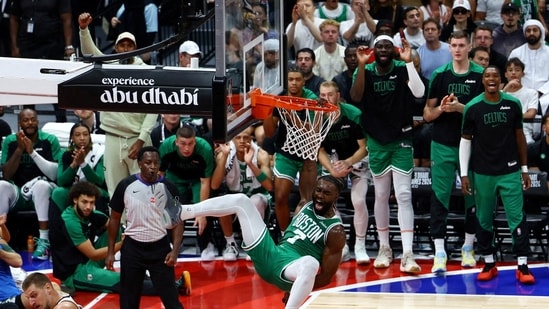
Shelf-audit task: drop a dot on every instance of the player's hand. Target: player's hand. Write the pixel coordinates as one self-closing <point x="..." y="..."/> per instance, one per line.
<point x="134" y="149"/>
<point x="363" y="54"/>
<point x="84" y="20"/>
<point x="24" y="141"/>
<point x="3" y="219"/>
<point x="109" y="261"/>
<point x="466" y="186"/>
<point x="406" y="50"/>
<point x="249" y="154"/>
<point x="171" y="259"/>
<point x="341" y="169"/>
<point x="201" y="222"/>
<point x="224" y="149"/>
<point x="526" y="182"/>
<point x="285" y="297"/>
<point x="78" y="156"/>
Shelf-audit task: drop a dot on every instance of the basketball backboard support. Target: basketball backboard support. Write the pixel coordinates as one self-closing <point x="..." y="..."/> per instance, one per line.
<point x="246" y="26"/>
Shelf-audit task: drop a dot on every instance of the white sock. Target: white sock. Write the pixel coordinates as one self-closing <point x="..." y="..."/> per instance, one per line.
<point x="230" y="239"/>
<point x="383" y="235"/>
<point x="44" y="234"/>
<point x="522" y="260"/>
<point x="360" y="242"/>
<point x="407" y="240"/>
<point x="488" y="258"/>
<point x="439" y="246"/>
<point x="469" y="239"/>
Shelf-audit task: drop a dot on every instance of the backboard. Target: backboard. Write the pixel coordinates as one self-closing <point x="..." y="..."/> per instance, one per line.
<point x="253" y="56"/>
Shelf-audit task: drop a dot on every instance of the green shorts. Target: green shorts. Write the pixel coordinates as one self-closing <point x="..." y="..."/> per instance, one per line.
<point x="397" y="156"/>
<point x="285" y="167"/>
<point x="271" y="260"/>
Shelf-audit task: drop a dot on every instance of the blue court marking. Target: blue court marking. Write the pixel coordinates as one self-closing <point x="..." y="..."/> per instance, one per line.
<point x="461" y="282"/>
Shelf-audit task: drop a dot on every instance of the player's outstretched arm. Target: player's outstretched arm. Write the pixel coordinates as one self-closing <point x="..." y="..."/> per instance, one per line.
<point x="331" y="257"/>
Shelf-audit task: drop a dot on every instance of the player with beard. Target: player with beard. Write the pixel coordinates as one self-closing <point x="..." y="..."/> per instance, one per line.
<point x="308" y="255"/>
<point x="386" y="89"/>
<point x="451" y="87"/>
<point x="29" y="165"/>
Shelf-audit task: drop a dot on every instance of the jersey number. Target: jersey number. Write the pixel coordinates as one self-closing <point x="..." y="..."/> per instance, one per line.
<point x="298" y="235"/>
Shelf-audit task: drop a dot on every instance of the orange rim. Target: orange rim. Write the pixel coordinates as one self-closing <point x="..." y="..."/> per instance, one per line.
<point x="287" y="102"/>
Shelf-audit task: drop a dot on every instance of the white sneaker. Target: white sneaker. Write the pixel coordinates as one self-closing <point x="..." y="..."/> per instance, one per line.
<point x="468" y="257"/>
<point x="208" y="254"/>
<point x="345" y="254"/>
<point x="230" y="253"/>
<point x="439" y="263"/>
<point x="384" y="257"/>
<point x="361" y="255"/>
<point x="408" y="263"/>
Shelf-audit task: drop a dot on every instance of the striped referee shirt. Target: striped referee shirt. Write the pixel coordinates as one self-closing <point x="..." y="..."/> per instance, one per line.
<point x="143" y="215"/>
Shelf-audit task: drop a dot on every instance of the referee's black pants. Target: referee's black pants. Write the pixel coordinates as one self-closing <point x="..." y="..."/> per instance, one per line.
<point x="136" y="258"/>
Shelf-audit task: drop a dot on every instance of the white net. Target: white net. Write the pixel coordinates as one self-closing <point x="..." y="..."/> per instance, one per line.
<point x="306" y="130"/>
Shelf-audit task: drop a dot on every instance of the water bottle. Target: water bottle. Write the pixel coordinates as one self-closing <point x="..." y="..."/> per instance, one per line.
<point x="30" y="243"/>
<point x="334" y="157"/>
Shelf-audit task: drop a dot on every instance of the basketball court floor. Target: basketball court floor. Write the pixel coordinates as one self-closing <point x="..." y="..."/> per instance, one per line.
<point x="220" y="284"/>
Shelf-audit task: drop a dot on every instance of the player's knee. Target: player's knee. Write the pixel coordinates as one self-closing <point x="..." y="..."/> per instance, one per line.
<point x="309" y="265"/>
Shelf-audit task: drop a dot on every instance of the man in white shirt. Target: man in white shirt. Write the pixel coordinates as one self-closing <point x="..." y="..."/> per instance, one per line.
<point x="362" y="26"/>
<point x="534" y="54"/>
<point x="267" y="72"/>
<point x="330" y="56"/>
<point x="304" y="30"/>
<point x="413" y="32"/>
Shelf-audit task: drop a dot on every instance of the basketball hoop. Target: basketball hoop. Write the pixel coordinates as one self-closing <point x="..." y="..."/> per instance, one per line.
<point x="306" y="130"/>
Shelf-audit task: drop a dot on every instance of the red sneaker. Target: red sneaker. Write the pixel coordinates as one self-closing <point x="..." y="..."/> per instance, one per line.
<point x="524" y="275"/>
<point x="488" y="272"/>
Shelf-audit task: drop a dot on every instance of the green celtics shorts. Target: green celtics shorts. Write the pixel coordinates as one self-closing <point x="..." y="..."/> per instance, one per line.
<point x="396" y="156"/>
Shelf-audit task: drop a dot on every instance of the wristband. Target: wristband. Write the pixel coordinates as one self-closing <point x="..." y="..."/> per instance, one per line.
<point x="83" y="164"/>
<point x="524" y="168"/>
<point x="34" y="154"/>
<point x="262" y="176"/>
<point x="69" y="47"/>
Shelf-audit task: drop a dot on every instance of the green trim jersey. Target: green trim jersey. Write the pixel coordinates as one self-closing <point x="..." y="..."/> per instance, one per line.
<point x="466" y="86"/>
<point x="387" y="103"/>
<point x="183" y="171"/>
<point x="248" y="185"/>
<point x="47" y="145"/>
<point x="343" y="134"/>
<point x="493" y="126"/>
<point x="75" y="231"/>
<point x="308" y="232"/>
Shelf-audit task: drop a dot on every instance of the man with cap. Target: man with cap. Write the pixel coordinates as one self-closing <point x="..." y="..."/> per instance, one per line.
<point x="187" y="51"/>
<point x="534" y="54"/>
<point x="125" y="133"/>
<point x="267" y="72"/>
<point x="508" y="35"/>
<point x="385" y="90"/>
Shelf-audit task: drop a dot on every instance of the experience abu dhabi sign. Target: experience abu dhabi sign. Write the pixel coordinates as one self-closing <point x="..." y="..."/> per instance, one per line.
<point x="142" y="89"/>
